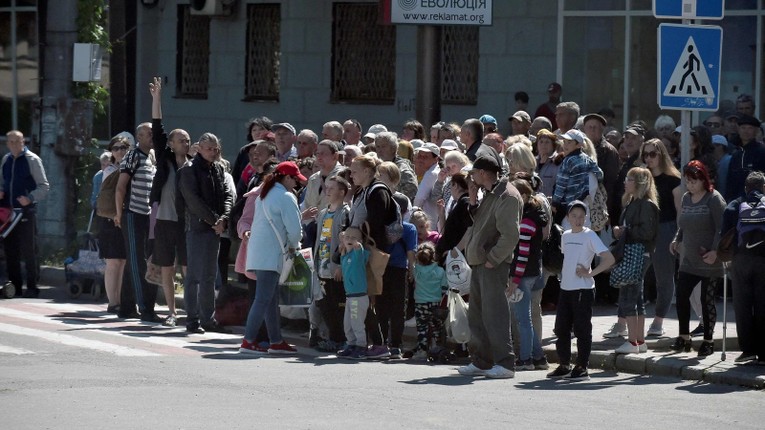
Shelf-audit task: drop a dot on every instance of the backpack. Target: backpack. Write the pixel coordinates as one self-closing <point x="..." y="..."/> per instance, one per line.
<point x="552" y="256"/>
<point x="394" y="231"/>
<point x="106" y="207"/>
<point x="751" y="224"/>
<point x="599" y="209"/>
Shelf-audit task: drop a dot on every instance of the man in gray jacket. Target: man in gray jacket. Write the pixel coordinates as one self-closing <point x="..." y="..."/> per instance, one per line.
<point x="489" y="252"/>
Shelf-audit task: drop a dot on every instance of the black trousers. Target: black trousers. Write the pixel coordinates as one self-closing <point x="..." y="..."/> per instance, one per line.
<point x="135" y="230"/>
<point x="574" y="310"/>
<point x="332" y="308"/>
<point x="21" y="245"/>
<point x="686" y="282"/>
<point x="391" y="304"/>
<point x="749" y="303"/>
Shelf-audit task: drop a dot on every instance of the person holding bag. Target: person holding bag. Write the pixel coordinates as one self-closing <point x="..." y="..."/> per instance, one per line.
<point x="276" y="225"/>
<point x="699" y="233"/>
<point x="639" y="221"/>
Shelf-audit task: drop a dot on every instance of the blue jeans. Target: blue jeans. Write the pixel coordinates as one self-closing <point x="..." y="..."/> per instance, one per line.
<point x="530" y="346"/>
<point x="199" y="286"/>
<point x="265" y="307"/>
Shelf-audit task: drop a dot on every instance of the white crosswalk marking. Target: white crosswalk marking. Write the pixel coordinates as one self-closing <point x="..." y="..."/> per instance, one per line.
<point x="4" y="349"/>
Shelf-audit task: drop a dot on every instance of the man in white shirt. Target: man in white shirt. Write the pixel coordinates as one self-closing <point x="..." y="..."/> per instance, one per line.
<point x="426" y="167"/>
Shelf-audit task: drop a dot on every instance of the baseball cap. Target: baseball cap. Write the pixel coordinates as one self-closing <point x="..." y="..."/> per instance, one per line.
<point x="487" y="119"/>
<point x="576" y="204"/>
<point x="429" y="147"/>
<point x="637" y="131"/>
<point x="449" y="144"/>
<point x="718" y="139"/>
<point x="486" y="163"/>
<point x="285" y="125"/>
<point x="596" y="116"/>
<point x="376" y="129"/>
<point x="416" y="143"/>
<point x="521" y="116"/>
<point x="291" y="169"/>
<point x="554" y="86"/>
<point x="573" y="134"/>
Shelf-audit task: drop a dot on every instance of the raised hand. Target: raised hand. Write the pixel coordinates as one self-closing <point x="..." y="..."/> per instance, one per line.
<point x="155" y="87"/>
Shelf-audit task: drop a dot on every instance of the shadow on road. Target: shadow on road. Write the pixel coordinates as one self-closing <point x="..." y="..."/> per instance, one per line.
<point x="454" y="380"/>
<point x="597" y="382"/>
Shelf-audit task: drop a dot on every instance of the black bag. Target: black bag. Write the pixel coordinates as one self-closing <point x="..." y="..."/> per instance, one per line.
<point x="617" y="247"/>
<point x="552" y="256"/>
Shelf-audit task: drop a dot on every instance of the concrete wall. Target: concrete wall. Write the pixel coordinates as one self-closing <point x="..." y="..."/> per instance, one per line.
<point x="516" y="53"/>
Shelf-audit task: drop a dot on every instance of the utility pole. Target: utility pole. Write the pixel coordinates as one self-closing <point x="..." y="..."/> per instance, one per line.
<point x="56" y="212"/>
<point x="428" y="75"/>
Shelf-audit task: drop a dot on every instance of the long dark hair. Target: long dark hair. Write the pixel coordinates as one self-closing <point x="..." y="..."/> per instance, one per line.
<point x="268" y="183"/>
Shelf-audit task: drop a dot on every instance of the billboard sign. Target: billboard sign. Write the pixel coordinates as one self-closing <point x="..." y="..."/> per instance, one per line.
<point x="441" y="12"/>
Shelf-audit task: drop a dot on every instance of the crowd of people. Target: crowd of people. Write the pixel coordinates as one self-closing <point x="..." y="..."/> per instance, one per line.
<point x="418" y="197"/>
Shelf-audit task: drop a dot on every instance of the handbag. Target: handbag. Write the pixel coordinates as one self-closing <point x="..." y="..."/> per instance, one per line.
<point x="617" y="247"/>
<point x="599" y="209"/>
<point x="629" y="270"/>
<point x="458" y="272"/>
<point x="458" y="318"/>
<point x="552" y="256"/>
<point x="153" y="272"/>
<point x="297" y="288"/>
<point x="376" y="264"/>
<point x="88" y="261"/>
<point x="288" y="258"/>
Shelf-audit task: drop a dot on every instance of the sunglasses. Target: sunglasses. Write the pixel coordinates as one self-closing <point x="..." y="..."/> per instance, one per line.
<point x="650" y="154"/>
<point x="120" y="148"/>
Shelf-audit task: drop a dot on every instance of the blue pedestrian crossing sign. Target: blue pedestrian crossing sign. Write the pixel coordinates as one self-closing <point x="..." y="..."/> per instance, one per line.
<point x="689" y="9"/>
<point x="689" y="67"/>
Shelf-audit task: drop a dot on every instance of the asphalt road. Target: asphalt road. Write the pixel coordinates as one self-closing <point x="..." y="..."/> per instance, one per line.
<point x="72" y="366"/>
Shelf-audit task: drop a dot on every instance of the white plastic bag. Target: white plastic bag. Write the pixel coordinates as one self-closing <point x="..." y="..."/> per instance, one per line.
<point x="458" y="318"/>
<point x="458" y="272"/>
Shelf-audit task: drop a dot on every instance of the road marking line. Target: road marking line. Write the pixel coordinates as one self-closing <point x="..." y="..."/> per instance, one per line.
<point x="69" y="340"/>
<point x="4" y="349"/>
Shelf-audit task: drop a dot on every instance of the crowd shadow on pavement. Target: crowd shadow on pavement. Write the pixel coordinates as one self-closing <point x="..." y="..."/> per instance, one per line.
<point x="701" y="387"/>
<point x="454" y="380"/>
<point x="598" y="381"/>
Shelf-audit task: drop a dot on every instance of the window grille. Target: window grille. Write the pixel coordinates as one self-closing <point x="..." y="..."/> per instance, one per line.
<point x="193" y="62"/>
<point x="363" y="55"/>
<point x="263" y="52"/>
<point x="459" y="71"/>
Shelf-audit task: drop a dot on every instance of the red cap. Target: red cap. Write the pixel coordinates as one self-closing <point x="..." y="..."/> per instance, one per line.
<point x="291" y="169"/>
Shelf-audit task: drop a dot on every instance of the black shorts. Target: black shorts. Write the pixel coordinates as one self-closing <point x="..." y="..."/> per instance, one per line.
<point x="169" y="242"/>
<point x="111" y="243"/>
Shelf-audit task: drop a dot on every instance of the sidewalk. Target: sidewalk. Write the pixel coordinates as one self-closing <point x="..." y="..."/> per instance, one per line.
<point x="659" y="360"/>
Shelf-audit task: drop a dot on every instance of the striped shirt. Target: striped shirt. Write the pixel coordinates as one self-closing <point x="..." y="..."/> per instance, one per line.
<point x="141" y="170"/>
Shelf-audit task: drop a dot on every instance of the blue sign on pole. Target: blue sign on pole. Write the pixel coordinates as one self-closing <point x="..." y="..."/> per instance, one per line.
<point x="689" y="9"/>
<point x="689" y="66"/>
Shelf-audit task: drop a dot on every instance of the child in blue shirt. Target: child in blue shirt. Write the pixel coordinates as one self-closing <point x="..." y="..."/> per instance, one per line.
<point x="354" y="265"/>
<point x="430" y="284"/>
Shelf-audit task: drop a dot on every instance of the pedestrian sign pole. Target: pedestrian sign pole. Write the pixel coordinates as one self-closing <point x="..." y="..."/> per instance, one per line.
<point x="689" y="61"/>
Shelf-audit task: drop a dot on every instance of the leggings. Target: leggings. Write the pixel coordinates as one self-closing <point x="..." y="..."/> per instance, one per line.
<point x="685" y="285"/>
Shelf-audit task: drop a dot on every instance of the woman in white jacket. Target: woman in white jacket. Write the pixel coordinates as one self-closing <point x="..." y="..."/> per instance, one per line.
<point x="276" y="213"/>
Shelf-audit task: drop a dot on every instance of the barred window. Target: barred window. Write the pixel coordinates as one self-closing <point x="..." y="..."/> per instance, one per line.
<point x="263" y="52"/>
<point x="193" y="57"/>
<point x="459" y="45"/>
<point x="363" y="55"/>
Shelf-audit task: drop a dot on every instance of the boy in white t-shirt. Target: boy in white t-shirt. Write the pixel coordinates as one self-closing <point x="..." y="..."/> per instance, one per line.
<point x="577" y="292"/>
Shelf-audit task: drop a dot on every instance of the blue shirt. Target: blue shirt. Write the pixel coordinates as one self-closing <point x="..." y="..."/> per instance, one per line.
<point x="429" y="283"/>
<point x="399" y="249"/>
<point x="354" y="264"/>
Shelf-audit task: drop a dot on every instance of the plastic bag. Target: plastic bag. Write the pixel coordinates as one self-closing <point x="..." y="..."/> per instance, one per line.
<point x="297" y="288"/>
<point x="458" y="318"/>
<point x="458" y="272"/>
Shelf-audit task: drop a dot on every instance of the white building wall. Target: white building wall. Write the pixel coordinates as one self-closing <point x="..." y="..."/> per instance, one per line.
<point x="516" y="53"/>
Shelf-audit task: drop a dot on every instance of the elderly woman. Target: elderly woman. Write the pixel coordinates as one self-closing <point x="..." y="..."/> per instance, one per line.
<point x="698" y="232"/>
<point x="454" y="161"/>
<point x="276" y="226"/>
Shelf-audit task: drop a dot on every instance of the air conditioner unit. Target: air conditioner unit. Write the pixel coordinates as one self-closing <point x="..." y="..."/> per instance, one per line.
<point x="212" y="7"/>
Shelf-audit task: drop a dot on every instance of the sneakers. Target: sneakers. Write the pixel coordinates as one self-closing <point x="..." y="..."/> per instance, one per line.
<point x="562" y="371"/>
<point x="642" y="348"/>
<point x="113" y="309"/>
<point x="395" y="353"/>
<point x="627" y="348"/>
<point x="745" y="357"/>
<point x="524" y="365"/>
<point x="329" y="346"/>
<point x="681" y="345"/>
<point x="194" y="327"/>
<point x="706" y="348"/>
<point x="541" y="363"/>
<point x="698" y="331"/>
<point x="282" y="348"/>
<point x="170" y="321"/>
<point x="378" y="352"/>
<point x="499" y="372"/>
<point x="616" y="331"/>
<point x="578" y="374"/>
<point x="655" y="331"/>
<point x="359" y="353"/>
<point x="471" y="370"/>
<point x="214" y="327"/>
<point x="252" y="348"/>
<point x="346" y="352"/>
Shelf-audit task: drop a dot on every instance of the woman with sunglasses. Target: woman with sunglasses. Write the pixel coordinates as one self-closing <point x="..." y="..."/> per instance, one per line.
<point x="699" y="234"/>
<point x="667" y="180"/>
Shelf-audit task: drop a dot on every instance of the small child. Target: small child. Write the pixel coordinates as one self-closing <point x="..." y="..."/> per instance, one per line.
<point x="430" y="284"/>
<point x="577" y="292"/>
<point x="354" y="265"/>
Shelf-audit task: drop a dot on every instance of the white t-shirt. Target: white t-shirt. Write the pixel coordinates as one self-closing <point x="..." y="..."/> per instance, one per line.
<point x="579" y="249"/>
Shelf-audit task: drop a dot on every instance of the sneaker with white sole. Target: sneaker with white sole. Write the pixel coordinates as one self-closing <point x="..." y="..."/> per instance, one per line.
<point x="616" y="331"/>
<point x="627" y="348"/>
<point x="282" y="348"/>
<point x="579" y="373"/>
<point x="562" y="371"/>
<point x="471" y="370"/>
<point x="655" y="331"/>
<point x="499" y="372"/>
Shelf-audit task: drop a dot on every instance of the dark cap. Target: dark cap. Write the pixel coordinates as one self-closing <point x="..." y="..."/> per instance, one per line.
<point x="637" y="131"/>
<point x="554" y="86"/>
<point x="576" y="204"/>
<point x="486" y="163"/>
<point x="598" y="117"/>
<point x="748" y="120"/>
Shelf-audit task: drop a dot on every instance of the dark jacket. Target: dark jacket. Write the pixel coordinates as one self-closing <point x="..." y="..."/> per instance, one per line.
<point x="203" y="195"/>
<point x="455" y="227"/>
<point x="730" y="220"/>
<point x="642" y="218"/>
<point x="609" y="163"/>
<point x="22" y="176"/>
<point x="165" y="159"/>
<point x="375" y="205"/>
<point x="743" y="162"/>
<point x="528" y="253"/>
<point x="480" y="149"/>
